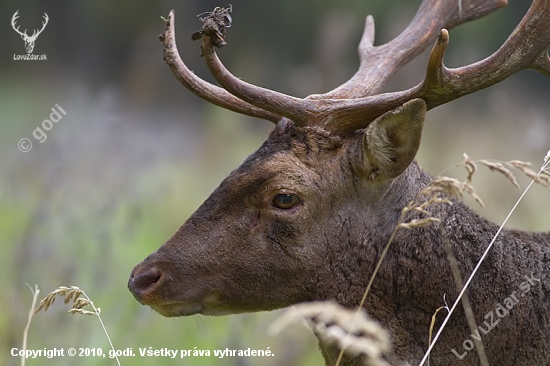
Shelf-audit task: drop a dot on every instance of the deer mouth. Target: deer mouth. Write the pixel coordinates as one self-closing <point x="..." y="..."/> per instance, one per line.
<point x="171" y="310"/>
<point x="154" y="288"/>
<point x="203" y="305"/>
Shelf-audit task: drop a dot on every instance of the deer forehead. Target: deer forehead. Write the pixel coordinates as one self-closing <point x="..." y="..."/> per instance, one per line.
<point x="297" y="157"/>
<point x="283" y="170"/>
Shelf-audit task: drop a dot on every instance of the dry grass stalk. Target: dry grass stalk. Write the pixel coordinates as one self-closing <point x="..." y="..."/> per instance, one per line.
<point x="539" y="178"/>
<point x="419" y="222"/>
<point x="432" y="323"/>
<point x="74" y="294"/>
<point x="352" y="331"/>
<point x="501" y="167"/>
<point x="451" y="187"/>
<point x="35" y="293"/>
<point x="465" y="300"/>
<point x="442" y="190"/>
<point x="543" y="178"/>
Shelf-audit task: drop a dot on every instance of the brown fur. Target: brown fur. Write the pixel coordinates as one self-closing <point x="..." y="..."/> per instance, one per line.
<point x="238" y="253"/>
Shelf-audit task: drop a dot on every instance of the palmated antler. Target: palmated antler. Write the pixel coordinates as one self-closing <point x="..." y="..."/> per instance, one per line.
<point x="527" y="47"/>
<point x="379" y="63"/>
<point x="354" y="104"/>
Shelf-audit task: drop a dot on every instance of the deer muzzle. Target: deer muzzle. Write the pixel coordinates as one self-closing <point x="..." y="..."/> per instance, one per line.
<point x="142" y="281"/>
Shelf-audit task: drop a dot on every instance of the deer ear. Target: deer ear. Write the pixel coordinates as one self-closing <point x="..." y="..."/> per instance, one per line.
<point x="391" y="141"/>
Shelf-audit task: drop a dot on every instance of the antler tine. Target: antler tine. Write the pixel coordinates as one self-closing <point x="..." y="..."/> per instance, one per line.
<point x="46" y="18"/>
<point x="13" y="19"/>
<point x="527" y="47"/>
<point x="296" y="109"/>
<point x="203" y="89"/>
<point x="379" y="63"/>
<point x="542" y="64"/>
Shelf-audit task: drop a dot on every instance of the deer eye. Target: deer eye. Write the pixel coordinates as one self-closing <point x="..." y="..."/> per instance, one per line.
<point x="286" y="201"/>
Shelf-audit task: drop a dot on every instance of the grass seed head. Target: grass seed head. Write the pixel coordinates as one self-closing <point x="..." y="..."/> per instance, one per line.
<point x="73" y="294"/>
<point x="500" y="168"/>
<point x="352" y="330"/>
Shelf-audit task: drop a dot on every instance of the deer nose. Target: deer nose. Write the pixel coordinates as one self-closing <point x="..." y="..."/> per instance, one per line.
<point x="142" y="281"/>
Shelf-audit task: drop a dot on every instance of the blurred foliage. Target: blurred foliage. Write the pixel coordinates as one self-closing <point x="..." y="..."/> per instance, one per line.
<point x="136" y="154"/>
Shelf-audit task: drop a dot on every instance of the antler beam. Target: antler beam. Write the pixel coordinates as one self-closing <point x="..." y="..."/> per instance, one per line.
<point x="293" y="108"/>
<point x="13" y="21"/>
<point x="204" y="89"/>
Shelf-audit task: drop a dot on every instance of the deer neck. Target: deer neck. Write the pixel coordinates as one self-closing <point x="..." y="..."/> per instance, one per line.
<point x="415" y="258"/>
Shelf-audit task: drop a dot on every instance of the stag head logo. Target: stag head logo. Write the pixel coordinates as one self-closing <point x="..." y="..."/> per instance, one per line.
<point x="29" y="40"/>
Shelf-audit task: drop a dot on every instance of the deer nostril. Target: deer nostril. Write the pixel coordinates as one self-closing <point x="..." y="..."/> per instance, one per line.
<point x="140" y="283"/>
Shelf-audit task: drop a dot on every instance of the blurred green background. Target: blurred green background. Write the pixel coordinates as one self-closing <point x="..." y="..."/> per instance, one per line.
<point x="136" y="153"/>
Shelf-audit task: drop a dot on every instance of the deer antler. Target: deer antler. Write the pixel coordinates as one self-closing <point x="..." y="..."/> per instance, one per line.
<point x="13" y="19"/>
<point x="527" y="47"/>
<point x="290" y="107"/>
<point x="379" y="63"/>
<point x="336" y="111"/>
<point x="24" y="34"/>
<point x="203" y="89"/>
<point x="36" y="32"/>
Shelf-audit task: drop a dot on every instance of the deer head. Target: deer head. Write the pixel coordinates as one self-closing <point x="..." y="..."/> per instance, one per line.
<point x="29" y="40"/>
<point x="305" y="216"/>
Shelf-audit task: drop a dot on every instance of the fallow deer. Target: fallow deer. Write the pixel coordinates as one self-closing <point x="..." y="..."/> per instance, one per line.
<point x="306" y="216"/>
